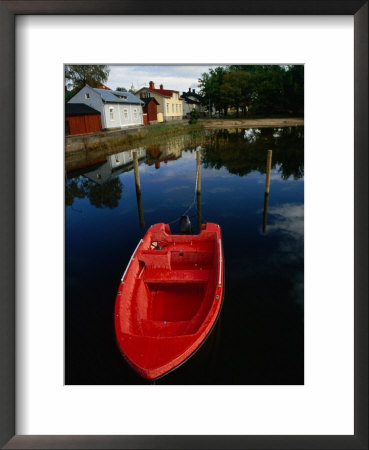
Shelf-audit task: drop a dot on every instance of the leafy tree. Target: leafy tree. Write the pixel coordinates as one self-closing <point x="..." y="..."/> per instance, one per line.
<point x="210" y="84"/>
<point x="68" y="94"/>
<point x="237" y="90"/>
<point x="294" y="89"/>
<point x="77" y="76"/>
<point x="264" y="89"/>
<point x="121" y="89"/>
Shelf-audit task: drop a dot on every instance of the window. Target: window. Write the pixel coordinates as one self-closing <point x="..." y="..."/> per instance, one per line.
<point x="147" y="94"/>
<point x="168" y="108"/>
<point x="173" y="108"/>
<point x="125" y="113"/>
<point x="180" y="107"/>
<point x="111" y="110"/>
<point x="135" y="114"/>
<point x="176" y="107"/>
<point x="87" y="95"/>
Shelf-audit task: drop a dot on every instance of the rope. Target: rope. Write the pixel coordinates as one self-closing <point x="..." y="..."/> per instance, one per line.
<point x="183" y="214"/>
<point x="188" y="209"/>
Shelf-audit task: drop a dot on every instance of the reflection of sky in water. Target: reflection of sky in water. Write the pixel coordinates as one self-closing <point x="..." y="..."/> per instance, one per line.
<point x="287" y="218"/>
<point x="251" y="134"/>
<point x="286" y="223"/>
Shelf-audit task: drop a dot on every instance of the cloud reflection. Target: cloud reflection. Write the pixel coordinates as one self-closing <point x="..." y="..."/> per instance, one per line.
<point x="287" y="218"/>
<point x="288" y="221"/>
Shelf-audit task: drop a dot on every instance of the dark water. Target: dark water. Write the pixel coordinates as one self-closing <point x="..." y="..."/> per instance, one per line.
<point x="259" y="338"/>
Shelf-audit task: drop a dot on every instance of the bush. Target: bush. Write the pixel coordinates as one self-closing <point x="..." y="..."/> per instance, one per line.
<point x="194" y="115"/>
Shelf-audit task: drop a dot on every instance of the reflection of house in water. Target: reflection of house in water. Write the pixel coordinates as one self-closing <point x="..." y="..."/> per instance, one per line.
<point x="114" y="166"/>
<point x="169" y="151"/>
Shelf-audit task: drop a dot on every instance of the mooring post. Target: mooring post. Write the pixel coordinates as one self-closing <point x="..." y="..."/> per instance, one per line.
<point x="140" y="211"/>
<point x="265" y="215"/>
<point x="268" y="169"/>
<point x="267" y="188"/>
<point x="199" y="218"/>
<point x="137" y="174"/>
<point x="198" y="172"/>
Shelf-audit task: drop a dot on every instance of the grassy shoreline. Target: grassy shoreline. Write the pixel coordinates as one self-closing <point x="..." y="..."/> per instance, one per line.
<point x="128" y="139"/>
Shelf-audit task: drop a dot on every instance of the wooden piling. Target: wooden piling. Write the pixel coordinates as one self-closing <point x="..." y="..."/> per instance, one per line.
<point x="137" y="174"/>
<point x="268" y="170"/>
<point x="198" y="172"/>
<point x="140" y="211"/>
<point x="265" y="215"/>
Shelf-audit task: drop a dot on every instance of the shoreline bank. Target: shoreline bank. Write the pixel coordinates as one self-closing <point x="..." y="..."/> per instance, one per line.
<point x="253" y="123"/>
<point x="125" y="139"/>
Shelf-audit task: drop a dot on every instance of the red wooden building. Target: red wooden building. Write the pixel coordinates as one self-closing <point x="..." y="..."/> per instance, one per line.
<point x="81" y="119"/>
<point x="150" y="108"/>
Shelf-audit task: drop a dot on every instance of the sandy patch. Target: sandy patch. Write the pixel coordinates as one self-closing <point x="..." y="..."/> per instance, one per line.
<point x="253" y="123"/>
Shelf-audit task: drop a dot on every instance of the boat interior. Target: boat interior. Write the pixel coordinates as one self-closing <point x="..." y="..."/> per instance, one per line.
<point x="174" y="284"/>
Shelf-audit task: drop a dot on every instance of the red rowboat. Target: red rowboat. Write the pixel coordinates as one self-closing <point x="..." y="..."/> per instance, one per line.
<point x="169" y="298"/>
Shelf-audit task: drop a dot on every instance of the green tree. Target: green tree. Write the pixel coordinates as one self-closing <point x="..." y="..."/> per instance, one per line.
<point x="210" y="84"/>
<point x="265" y="89"/>
<point x="121" y="89"/>
<point x="68" y="94"/>
<point x="294" y="89"/>
<point x="77" y="76"/>
<point x="237" y="90"/>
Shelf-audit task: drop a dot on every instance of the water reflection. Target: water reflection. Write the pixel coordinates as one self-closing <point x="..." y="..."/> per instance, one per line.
<point x="248" y="151"/>
<point x="262" y="316"/>
<point x="265" y="213"/>
<point x="287" y="222"/>
<point x="240" y="152"/>
<point x="105" y="195"/>
<point x="114" y="166"/>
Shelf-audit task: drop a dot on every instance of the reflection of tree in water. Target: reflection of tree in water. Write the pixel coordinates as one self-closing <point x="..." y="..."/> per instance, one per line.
<point x="106" y="195"/>
<point x="73" y="189"/>
<point x="244" y="151"/>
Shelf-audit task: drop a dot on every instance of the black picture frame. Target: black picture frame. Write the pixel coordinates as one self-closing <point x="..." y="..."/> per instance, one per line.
<point x="8" y="11"/>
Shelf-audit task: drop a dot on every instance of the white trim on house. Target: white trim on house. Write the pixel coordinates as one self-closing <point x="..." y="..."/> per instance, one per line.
<point x="111" y="112"/>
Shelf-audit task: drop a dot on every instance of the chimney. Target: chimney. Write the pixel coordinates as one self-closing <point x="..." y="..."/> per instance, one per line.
<point x="193" y="90"/>
<point x="183" y="94"/>
<point x="161" y="87"/>
<point x="152" y="85"/>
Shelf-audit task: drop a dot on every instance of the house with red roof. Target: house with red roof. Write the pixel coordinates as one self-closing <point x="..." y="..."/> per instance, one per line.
<point x="170" y="103"/>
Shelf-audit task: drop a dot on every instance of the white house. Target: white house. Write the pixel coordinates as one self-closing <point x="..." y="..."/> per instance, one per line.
<point x="118" y="109"/>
